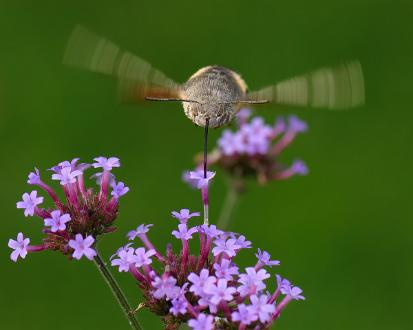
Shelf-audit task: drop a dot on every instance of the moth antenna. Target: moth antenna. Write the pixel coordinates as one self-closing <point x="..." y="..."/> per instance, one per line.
<point x="161" y="99"/>
<point x="246" y="102"/>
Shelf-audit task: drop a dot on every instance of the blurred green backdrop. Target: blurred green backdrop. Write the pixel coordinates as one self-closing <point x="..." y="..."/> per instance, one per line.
<point x="343" y="233"/>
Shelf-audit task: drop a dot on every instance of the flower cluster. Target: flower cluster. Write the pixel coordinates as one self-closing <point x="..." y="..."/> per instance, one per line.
<point x="254" y="147"/>
<point x="72" y="226"/>
<point x="206" y="290"/>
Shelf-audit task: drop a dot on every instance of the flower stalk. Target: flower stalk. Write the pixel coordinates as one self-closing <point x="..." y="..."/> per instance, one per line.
<point x="117" y="292"/>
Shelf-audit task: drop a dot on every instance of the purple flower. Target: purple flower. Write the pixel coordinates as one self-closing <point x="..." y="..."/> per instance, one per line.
<point x="202" y="322"/>
<point x="294" y="292"/>
<point x="283" y="284"/>
<point x="228" y="247"/>
<point x="199" y="282"/>
<point x="261" y="308"/>
<point x="211" y="231"/>
<point x="220" y="291"/>
<point x="34" y="177"/>
<point x="122" y="248"/>
<point x="198" y="177"/>
<point x="244" y="315"/>
<point x="29" y="203"/>
<point x="299" y="167"/>
<point x="296" y="125"/>
<point x="71" y="164"/>
<point x="225" y="270"/>
<point x="183" y="232"/>
<point x="229" y="143"/>
<point x="66" y="176"/>
<point x="252" y="281"/>
<point x="98" y="178"/>
<point x="165" y="287"/>
<point x="265" y="259"/>
<point x="82" y="247"/>
<point x="142" y="229"/>
<point x="143" y="257"/>
<point x="243" y="115"/>
<point x="106" y="163"/>
<point x="184" y="215"/>
<point x="126" y="258"/>
<point x="57" y="222"/>
<point x="242" y="243"/>
<point x="279" y="127"/>
<point x="19" y="247"/>
<point x="179" y="306"/>
<point x="118" y="189"/>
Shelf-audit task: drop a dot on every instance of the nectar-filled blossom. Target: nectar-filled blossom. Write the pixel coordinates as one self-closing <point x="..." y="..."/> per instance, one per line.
<point x="254" y="149"/>
<point x="184" y="215"/>
<point x="82" y="247"/>
<point x="72" y="224"/>
<point x="29" y="203"/>
<point x="19" y="247"/>
<point x="204" y="287"/>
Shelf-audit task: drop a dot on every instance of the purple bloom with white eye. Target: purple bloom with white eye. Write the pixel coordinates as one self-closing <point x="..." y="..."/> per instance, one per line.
<point x="220" y="291"/>
<point x="66" y="176"/>
<point x="34" y="177"/>
<point x="261" y="308"/>
<point x="19" y="246"/>
<point x="142" y="229"/>
<point x="106" y="163"/>
<point x="296" y="125"/>
<point x="228" y="247"/>
<point x="184" y="233"/>
<point x="293" y="292"/>
<point x="184" y="215"/>
<point x="225" y="270"/>
<point x="58" y="221"/>
<point x="252" y="281"/>
<point x="143" y="257"/>
<point x="126" y="258"/>
<point x="210" y="230"/>
<point x="118" y="189"/>
<point x="265" y="259"/>
<point x="199" y="282"/>
<point x="198" y="177"/>
<point x="244" y="315"/>
<point x="29" y="203"/>
<point x="202" y="322"/>
<point x="82" y="247"/>
<point x="165" y="287"/>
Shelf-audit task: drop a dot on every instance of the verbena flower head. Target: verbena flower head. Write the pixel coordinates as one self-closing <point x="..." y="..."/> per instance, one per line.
<point x="72" y="225"/>
<point x="206" y="290"/>
<point x="253" y="149"/>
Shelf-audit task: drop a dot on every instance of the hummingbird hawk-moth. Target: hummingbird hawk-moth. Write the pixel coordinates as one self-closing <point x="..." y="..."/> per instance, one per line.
<point x="212" y="96"/>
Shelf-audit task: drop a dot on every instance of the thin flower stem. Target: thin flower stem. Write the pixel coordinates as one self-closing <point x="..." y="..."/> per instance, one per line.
<point x="117" y="292"/>
<point x="227" y="209"/>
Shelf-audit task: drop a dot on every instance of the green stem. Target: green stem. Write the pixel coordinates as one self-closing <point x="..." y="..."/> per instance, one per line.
<point x="228" y="207"/>
<point x="117" y="291"/>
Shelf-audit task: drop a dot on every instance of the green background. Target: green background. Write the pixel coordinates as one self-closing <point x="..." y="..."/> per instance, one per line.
<point x="343" y="233"/>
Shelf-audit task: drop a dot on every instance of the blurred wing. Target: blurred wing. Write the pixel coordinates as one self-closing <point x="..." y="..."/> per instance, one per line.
<point x="333" y="88"/>
<point x="137" y="79"/>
